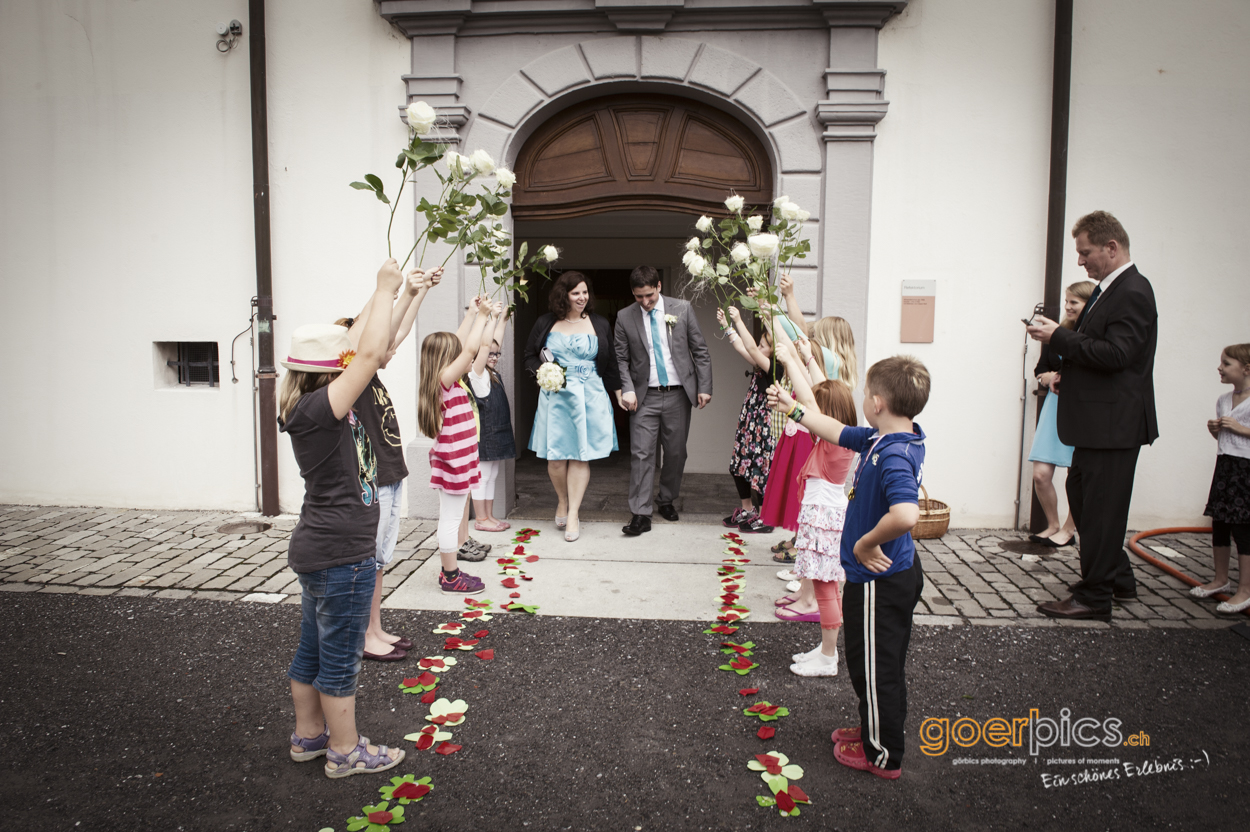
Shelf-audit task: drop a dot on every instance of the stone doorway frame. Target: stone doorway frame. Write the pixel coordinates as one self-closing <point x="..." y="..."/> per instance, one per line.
<point x="809" y="146"/>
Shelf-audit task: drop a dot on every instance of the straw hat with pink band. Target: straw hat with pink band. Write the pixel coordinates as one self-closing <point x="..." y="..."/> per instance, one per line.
<point x="319" y="348"/>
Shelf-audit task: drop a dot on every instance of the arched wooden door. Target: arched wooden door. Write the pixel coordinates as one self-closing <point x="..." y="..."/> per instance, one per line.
<point x="639" y="152"/>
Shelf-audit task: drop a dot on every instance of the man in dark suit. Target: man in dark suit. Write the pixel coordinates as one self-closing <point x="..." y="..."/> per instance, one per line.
<point x="1106" y="410"/>
<point x="665" y="368"/>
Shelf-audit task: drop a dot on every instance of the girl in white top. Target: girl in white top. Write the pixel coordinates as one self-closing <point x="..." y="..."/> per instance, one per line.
<point x="1228" y="504"/>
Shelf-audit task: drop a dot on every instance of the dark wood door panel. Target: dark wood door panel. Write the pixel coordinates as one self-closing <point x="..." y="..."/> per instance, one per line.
<point x="639" y="152"/>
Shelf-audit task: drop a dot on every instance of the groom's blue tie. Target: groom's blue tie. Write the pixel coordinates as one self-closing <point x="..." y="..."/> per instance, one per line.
<point x="655" y="344"/>
<point x="1080" y="319"/>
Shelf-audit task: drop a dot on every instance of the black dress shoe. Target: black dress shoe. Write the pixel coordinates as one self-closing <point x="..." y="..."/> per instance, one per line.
<point x="1072" y="609"/>
<point x="1124" y="596"/>
<point x="638" y="524"/>
<point x="667" y="511"/>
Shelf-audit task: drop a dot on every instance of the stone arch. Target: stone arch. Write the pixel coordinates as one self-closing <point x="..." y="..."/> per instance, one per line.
<point x="675" y="66"/>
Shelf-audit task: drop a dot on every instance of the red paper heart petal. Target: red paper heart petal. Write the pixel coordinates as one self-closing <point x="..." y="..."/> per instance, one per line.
<point x="509" y="583"/>
<point x="481" y="634"/>
<point x="412" y="683"/>
<point x="740" y="664"/>
<point x="430" y="729"/>
<point x="766" y="733"/>
<point x="766" y="759"/>
<point x="426" y="678"/>
<point x="439" y="720"/>
<point x="526" y="578"/>
<point x="379" y="817"/>
<point x="532" y="559"/>
<point x="485" y="655"/>
<point x="514" y="595"/>
<point x="774" y="769"/>
<point x="472" y="614"/>
<point x="797" y="794"/>
<point x="410" y="790"/>
<point x="429" y="696"/>
<point x="453" y="718"/>
<point x="770" y="710"/>
<point x="424" y="742"/>
<point x="784" y="802"/>
<point x="756" y="708"/>
<point x="426" y="663"/>
<point x="446" y="748"/>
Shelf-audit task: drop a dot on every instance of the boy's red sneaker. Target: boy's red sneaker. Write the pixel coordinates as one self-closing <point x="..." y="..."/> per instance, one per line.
<point x="851" y="755"/>
<point x="846" y="735"/>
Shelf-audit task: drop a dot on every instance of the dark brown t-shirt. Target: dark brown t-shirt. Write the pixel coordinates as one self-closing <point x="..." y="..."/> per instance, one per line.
<point x="378" y="414"/>
<point x="338" y="523"/>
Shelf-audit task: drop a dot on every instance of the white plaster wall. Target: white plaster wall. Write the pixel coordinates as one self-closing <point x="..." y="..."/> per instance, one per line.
<point x="125" y="157"/>
<point x="960" y="196"/>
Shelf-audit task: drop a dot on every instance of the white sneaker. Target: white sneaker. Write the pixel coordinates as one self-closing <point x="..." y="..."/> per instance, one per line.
<point x="794" y="586"/>
<point x="819" y="666"/>
<point x="787" y="575"/>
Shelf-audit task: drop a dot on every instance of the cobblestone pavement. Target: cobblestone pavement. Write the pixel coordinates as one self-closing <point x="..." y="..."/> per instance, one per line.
<point x="180" y="554"/>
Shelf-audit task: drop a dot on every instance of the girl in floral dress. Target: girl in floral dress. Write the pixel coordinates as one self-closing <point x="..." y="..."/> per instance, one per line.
<point x="755" y="441"/>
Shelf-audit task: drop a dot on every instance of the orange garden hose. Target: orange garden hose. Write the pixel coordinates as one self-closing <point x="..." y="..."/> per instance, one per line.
<point x="1166" y="567"/>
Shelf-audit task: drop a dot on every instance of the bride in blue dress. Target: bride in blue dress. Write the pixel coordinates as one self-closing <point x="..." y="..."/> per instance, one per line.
<point x="575" y="424"/>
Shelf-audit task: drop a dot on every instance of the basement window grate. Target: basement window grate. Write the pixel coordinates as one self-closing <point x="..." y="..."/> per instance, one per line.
<point x="196" y="363"/>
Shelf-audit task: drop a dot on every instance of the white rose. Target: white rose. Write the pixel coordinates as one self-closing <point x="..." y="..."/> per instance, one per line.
<point x="804" y="215"/>
<point x="421" y="117"/>
<point x="763" y="245"/>
<point x="703" y="224"/>
<point x="551" y="254"/>
<point x="481" y="161"/>
<point x="788" y="211"/>
<point x="685" y="258"/>
<point x="506" y="178"/>
<point x="692" y="244"/>
<point x="456" y="164"/>
<point x="735" y="203"/>
<point x="755" y="222"/>
<point x="781" y="200"/>
<point x="696" y="265"/>
<point x="740" y="252"/>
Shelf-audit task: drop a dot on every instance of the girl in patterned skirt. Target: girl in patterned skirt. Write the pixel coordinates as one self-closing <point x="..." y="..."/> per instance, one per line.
<point x="1228" y="505"/>
<point x="754" y="443"/>
<point x="445" y="415"/>
<point x="822" y="514"/>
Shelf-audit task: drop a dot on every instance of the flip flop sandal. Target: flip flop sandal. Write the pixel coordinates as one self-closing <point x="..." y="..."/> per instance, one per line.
<point x="783" y="546"/>
<point x="345" y="765"/>
<point x="784" y="601"/>
<point x="787" y="557"/>
<point x="313" y="748"/>
<point x="787" y="614"/>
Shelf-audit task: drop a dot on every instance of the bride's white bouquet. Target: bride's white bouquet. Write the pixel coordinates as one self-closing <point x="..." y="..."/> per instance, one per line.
<point x="551" y="377"/>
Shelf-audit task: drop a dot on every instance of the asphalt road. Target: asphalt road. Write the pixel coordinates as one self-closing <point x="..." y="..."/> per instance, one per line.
<point x="140" y="714"/>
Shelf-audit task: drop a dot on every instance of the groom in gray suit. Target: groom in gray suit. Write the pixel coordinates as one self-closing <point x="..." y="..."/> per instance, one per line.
<point x="665" y="368"/>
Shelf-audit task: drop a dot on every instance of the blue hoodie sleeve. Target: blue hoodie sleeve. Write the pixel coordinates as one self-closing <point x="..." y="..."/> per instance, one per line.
<point x="898" y="480"/>
<point x="857" y="439"/>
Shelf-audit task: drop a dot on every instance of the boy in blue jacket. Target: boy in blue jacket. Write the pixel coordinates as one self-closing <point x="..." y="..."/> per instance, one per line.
<point x="883" y="574"/>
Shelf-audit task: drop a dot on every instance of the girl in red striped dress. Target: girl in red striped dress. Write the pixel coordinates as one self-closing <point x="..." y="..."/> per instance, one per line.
<point x="445" y="415"/>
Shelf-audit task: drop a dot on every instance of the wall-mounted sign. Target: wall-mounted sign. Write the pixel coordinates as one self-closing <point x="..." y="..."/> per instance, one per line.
<point x="918" y="303"/>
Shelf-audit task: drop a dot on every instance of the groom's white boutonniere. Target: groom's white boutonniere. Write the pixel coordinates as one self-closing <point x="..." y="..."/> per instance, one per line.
<point x="671" y="320"/>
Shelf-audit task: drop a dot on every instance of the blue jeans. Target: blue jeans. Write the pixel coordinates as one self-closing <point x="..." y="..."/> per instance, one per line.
<point x="390" y="498"/>
<point x="335" y="604"/>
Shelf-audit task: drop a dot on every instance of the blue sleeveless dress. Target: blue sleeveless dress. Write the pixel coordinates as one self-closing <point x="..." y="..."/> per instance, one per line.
<point x="575" y="422"/>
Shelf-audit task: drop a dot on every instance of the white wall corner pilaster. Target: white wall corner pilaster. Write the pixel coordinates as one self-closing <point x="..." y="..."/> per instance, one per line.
<point x="434" y="79"/>
<point x="854" y="104"/>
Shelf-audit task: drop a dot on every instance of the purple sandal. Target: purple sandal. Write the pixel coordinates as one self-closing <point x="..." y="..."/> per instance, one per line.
<point x="344" y="765"/>
<point x="313" y="748"/>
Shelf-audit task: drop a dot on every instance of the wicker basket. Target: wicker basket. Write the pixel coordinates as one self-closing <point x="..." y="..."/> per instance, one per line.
<point x="935" y="518"/>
